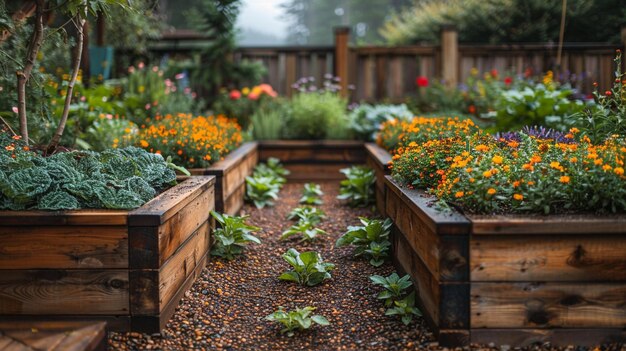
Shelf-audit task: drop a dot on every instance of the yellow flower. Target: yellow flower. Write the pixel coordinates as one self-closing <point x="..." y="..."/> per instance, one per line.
<point x="518" y="197"/>
<point x="245" y="91"/>
<point x="497" y="159"/>
<point x="564" y="179"/>
<point x="491" y="191"/>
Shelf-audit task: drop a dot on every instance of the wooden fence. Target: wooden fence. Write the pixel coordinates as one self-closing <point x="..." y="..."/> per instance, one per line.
<point x="388" y="73"/>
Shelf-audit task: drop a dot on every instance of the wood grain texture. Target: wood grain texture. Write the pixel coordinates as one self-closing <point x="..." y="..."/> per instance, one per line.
<point x="542" y="225"/>
<point x="58" y="292"/>
<point x="313" y="151"/>
<point x="421" y="205"/>
<point x="557" y="337"/>
<point x="113" y="322"/>
<point x="546" y="305"/>
<point x="63" y="247"/>
<point x="63" y="218"/>
<point x="307" y="172"/>
<point x="55" y="336"/>
<point x="160" y="209"/>
<point x="234" y="202"/>
<point x="233" y="159"/>
<point x="152" y="246"/>
<point x="152" y="289"/>
<point x="548" y="258"/>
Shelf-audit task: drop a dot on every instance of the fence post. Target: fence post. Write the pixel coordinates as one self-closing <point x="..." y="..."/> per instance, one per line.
<point x="342" y="37"/>
<point x="450" y="55"/>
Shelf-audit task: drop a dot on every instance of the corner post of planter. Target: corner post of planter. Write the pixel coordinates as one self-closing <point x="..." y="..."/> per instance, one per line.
<point x="342" y="37"/>
<point x="450" y="55"/>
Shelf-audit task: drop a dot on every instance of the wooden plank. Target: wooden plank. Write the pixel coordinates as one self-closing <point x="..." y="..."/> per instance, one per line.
<point x="290" y="73"/>
<point x="150" y="247"/>
<point x="304" y="172"/>
<point x="548" y="258"/>
<point x="113" y="322"/>
<point x="542" y="225"/>
<point x="557" y="337"/>
<point x="80" y="217"/>
<point x="547" y="305"/>
<point x="152" y="289"/>
<point x="56" y="336"/>
<point x="61" y="247"/>
<point x="160" y="209"/>
<point x="234" y="202"/>
<point x="234" y="177"/>
<point x="299" y="151"/>
<point x="440" y="222"/>
<point x="381" y="77"/>
<point x="59" y="292"/>
<point x="156" y="323"/>
<point x="380" y="155"/>
<point x="232" y="160"/>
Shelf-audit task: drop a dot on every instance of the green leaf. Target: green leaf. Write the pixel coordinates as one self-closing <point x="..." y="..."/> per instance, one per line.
<point x="320" y="320"/>
<point x="290" y="276"/>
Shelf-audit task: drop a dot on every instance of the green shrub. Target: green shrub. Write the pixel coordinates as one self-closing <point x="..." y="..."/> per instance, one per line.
<point x="267" y="124"/>
<point x="298" y="319"/>
<point x="232" y="236"/>
<point x="317" y="116"/>
<point x="308" y="268"/>
<point x="358" y="188"/>
<point x="366" y="119"/>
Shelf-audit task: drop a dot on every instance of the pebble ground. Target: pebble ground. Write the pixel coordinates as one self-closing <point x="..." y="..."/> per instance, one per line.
<point x="225" y="308"/>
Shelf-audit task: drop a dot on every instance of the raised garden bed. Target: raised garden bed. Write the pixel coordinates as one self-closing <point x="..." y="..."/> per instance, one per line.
<point x="314" y="160"/>
<point x="230" y="177"/>
<point x="512" y="280"/>
<point x="378" y="159"/>
<point x="129" y="268"/>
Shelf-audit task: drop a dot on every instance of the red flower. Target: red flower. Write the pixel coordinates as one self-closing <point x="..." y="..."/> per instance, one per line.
<point x="508" y="80"/>
<point x="471" y="109"/>
<point x="234" y="95"/>
<point x="494" y="73"/>
<point x="421" y="81"/>
<point x="528" y="72"/>
<point x="608" y="93"/>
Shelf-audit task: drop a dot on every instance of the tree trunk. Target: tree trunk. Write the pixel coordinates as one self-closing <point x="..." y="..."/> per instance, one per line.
<point x="80" y="22"/>
<point x="24" y="75"/>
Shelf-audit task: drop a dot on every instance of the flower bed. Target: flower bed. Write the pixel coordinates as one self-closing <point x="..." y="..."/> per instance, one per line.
<point x="129" y="268"/>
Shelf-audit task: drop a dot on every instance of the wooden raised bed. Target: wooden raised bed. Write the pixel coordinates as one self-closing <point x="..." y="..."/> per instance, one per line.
<point x="129" y="268"/>
<point x="53" y="336"/>
<point x="314" y="160"/>
<point x="378" y="160"/>
<point x="230" y="177"/>
<point x="512" y="280"/>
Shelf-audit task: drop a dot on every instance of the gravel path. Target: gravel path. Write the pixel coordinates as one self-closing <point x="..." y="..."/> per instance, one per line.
<point x="225" y="308"/>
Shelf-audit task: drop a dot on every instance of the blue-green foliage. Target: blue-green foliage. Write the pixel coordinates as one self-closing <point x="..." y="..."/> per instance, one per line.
<point x="116" y="179"/>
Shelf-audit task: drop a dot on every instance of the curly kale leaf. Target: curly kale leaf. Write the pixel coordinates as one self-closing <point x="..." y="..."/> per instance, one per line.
<point x="121" y="199"/>
<point x="58" y="200"/>
<point x="25" y="185"/>
<point x="140" y="187"/>
<point x="86" y="193"/>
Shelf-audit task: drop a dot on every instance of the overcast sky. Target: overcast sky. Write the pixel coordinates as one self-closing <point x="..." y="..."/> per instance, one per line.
<point x="262" y="15"/>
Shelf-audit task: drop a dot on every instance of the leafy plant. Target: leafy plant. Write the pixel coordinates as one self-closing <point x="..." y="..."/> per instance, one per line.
<point x="267" y="124"/>
<point x="317" y="116"/>
<point x="272" y="168"/>
<point x="308" y="268"/>
<point x="298" y="319"/>
<point x="358" y="188"/>
<point x="304" y="228"/>
<point x="365" y="120"/>
<point x="370" y="240"/>
<point x="262" y="190"/>
<point x="394" y="287"/>
<point x="311" y="194"/>
<point x="232" y="236"/>
<point x="307" y="213"/>
<point x="405" y="309"/>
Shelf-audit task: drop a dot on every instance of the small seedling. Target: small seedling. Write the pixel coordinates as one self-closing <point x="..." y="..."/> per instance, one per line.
<point x="308" y="268"/>
<point x="311" y="194"/>
<point x="298" y="319"/>
<point x="358" y="188"/>
<point x="232" y="236"/>
<point x="370" y="240"/>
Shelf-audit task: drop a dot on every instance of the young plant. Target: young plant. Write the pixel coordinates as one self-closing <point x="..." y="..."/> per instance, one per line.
<point x="232" y="237"/>
<point x="370" y="240"/>
<point x="298" y="319"/>
<point x="358" y="188"/>
<point x="262" y="191"/>
<point x="308" y="214"/>
<point x="405" y="309"/>
<point x="308" y="268"/>
<point x="305" y="228"/>
<point x="273" y="169"/>
<point x="311" y="194"/>
<point x="394" y="287"/>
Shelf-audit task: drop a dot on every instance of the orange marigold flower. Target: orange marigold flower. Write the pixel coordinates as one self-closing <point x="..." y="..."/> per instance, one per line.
<point x="487" y="174"/>
<point x="482" y="148"/>
<point x="516" y="183"/>
<point x="564" y="179"/>
<point x="9" y="148"/>
<point x="491" y="191"/>
<point x="606" y="168"/>
<point x="573" y="159"/>
<point x="619" y="171"/>
<point x="574" y="130"/>
<point x="144" y="144"/>
<point x="518" y="197"/>
<point x="459" y="194"/>
<point x="497" y="159"/>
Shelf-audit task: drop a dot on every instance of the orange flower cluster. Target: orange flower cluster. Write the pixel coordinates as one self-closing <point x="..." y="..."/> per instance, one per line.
<point x="194" y="142"/>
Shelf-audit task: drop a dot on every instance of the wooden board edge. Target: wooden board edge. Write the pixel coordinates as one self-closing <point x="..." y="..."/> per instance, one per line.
<point x="557" y="337"/>
<point x="233" y="159"/>
<point x="544" y="225"/>
<point x="379" y="155"/>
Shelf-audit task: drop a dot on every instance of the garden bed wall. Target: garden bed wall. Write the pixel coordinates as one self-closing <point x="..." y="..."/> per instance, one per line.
<point x="230" y="177"/>
<point x="378" y="159"/>
<point x="512" y="280"/>
<point x="129" y="268"/>
<point x="314" y="160"/>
